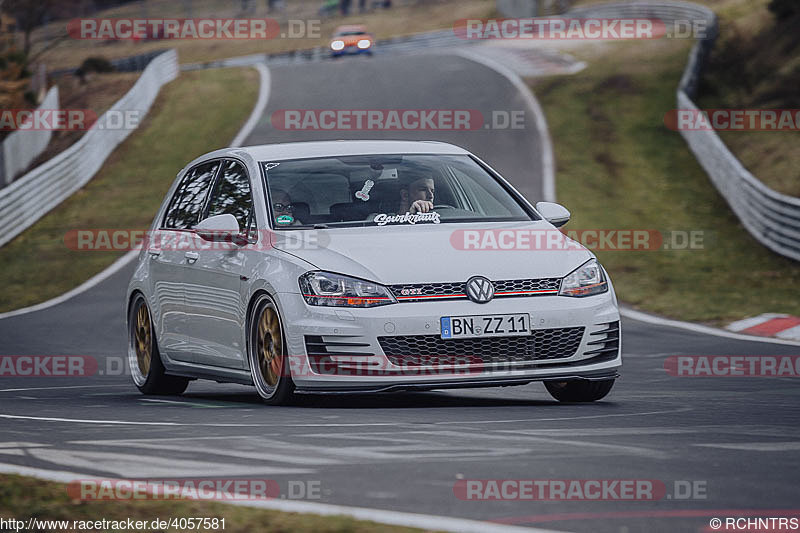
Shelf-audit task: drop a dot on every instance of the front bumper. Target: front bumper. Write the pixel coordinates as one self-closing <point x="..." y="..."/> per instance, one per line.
<point x="338" y="350"/>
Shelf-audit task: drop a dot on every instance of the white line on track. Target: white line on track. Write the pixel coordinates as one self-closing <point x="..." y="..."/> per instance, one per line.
<point x="755" y="446"/>
<point x="548" y="165"/>
<point x="83" y="287"/>
<point x="261" y="104"/>
<point x="422" y="521"/>
<point x="176" y="402"/>
<point x="66" y="387"/>
<point x="312" y="425"/>
<point x="118" y="422"/>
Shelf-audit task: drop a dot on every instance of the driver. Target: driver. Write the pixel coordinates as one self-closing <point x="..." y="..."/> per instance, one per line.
<point x="416" y="194"/>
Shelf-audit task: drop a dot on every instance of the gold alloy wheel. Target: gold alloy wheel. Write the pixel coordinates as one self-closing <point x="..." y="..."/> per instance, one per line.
<point x="143" y="340"/>
<point x="269" y="346"/>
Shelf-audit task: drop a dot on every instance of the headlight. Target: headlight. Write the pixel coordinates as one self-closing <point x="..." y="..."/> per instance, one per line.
<point x="364" y="44"/>
<point x="334" y="290"/>
<point x="337" y="45"/>
<point x="586" y="280"/>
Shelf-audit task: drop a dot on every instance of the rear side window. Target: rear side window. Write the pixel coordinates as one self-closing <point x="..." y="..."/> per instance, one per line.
<point x="231" y="194"/>
<point x="187" y="202"/>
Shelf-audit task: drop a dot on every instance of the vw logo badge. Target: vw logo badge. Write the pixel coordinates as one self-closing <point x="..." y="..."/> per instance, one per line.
<point x="479" y="289"/>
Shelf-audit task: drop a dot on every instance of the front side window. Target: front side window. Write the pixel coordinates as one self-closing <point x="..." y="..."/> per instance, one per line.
<point x="186" y="204"/>
<point x="231" y="194"/>
<point x="387" y="189"/>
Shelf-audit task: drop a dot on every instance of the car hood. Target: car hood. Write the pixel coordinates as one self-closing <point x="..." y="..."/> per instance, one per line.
<point x="436" y="252"/>
<point x="351" y="40"/>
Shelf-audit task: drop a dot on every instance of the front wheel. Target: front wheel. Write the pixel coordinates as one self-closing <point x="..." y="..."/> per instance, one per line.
<point x="144" y="360"/>
<point x="579" y="390"/>
<point x="267" y="354"/>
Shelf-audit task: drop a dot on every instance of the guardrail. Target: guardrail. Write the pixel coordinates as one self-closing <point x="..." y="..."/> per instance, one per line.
<point x="531" y="8"/>
<point x="771" y="217"/>
<point x="135" y="63"/>
<point x="29" y="198"/>
<point x="23" y="146"/>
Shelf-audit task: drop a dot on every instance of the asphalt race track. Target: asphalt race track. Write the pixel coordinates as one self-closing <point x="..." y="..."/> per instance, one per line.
<point x="735" y="439"/>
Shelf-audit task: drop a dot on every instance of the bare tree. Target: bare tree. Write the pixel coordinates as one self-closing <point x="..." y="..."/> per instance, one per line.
<point x="784" y="9"/>
<point x="29" y="15"/>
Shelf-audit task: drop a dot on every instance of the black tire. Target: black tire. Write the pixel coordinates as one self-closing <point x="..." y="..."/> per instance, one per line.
<point x="579" y="390"/>
<point x="266" y="353"/>
<point x="144" y="360"/>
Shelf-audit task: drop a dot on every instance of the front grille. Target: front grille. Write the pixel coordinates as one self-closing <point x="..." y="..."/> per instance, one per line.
<point x="455" y="290"/>
<point x="431" y="350"/>
<point x="418" y="291"/>
<point x="526" y="285"/>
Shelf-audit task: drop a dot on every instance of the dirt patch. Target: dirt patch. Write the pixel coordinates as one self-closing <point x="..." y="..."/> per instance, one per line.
<point x="619" y="84"/>
<point x="98" y="94"/>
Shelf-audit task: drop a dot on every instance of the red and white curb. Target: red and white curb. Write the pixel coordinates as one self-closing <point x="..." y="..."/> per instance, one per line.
<point x="769" y="325"/>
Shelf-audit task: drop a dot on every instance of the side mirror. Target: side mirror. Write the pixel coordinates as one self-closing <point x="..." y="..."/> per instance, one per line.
<point x="556" y="214"/>
<point x="219" y="228"/>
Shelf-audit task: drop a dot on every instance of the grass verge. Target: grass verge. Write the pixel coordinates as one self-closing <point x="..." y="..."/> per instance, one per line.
<point x="24" y="497"/>
<point x="619" y="167"/>
<point x="127" y="191"/>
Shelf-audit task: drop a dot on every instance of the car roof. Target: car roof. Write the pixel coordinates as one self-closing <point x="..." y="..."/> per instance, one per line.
<point x="298" y="150"/>
<point x="352" y="27"/>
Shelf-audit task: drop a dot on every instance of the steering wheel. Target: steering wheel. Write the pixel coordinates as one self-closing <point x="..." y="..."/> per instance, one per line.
<point x="443" y="206"/>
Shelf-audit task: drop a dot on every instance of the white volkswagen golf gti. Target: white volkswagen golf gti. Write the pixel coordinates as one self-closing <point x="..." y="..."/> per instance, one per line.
<point x="365" y="266"/>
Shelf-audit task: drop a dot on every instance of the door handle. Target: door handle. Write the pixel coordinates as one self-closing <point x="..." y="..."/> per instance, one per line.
<point x="192" y="256"/>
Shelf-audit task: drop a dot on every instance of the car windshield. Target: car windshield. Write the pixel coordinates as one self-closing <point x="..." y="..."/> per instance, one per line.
<point x="378" y="190"/>
<point x="350" y="33"/>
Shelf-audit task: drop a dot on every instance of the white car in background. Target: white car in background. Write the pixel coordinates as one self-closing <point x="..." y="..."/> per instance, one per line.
<point x="365" y="266"/>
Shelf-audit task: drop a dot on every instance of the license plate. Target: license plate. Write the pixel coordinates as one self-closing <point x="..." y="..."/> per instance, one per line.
<point x="465" y="327"/>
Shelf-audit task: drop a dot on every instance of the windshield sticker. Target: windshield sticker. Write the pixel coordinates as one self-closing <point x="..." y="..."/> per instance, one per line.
<point x="270" y="166"/>
<point x="407" y="218"/>
<point x="284" y="220"/>
<point x="363" y="194"/>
